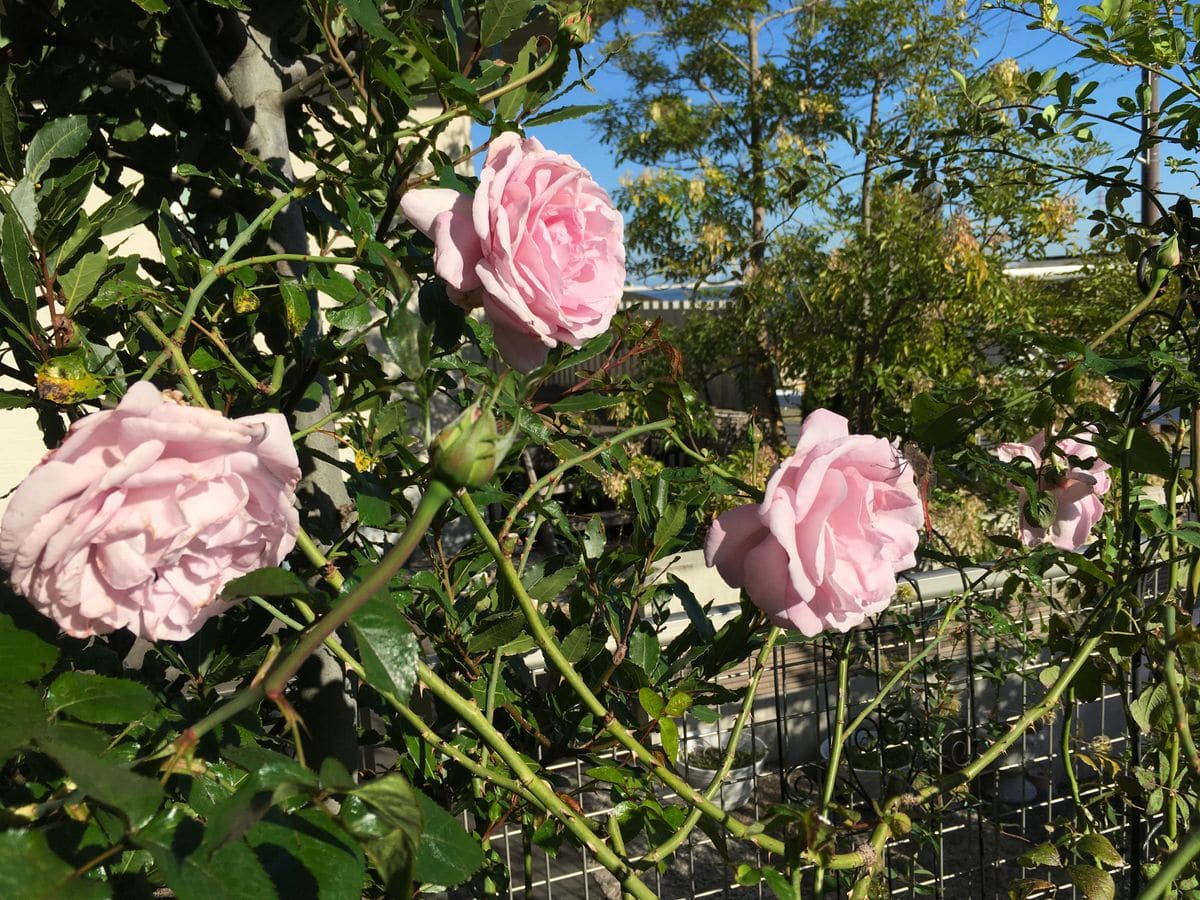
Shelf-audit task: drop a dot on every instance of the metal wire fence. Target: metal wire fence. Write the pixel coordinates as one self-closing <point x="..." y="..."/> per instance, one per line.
<point x="980" y="674"/>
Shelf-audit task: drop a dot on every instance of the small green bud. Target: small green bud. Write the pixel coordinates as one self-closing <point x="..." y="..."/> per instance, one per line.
<point x="1168" y="256"/>
<point x="469" y="450"/>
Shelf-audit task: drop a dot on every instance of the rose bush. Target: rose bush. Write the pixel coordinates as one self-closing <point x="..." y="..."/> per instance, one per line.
<point x="145" y="511"/>
<point x="1076" y="489"/>
<point x="839" y="519"/>
<point x="539" y="247"/>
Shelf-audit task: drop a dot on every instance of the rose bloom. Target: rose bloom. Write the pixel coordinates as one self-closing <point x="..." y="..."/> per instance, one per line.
<point x="839" y="519"/>
<point x="1077" y="490"/>
<point x="539" y="247"/>
<point x="145" y="511"/>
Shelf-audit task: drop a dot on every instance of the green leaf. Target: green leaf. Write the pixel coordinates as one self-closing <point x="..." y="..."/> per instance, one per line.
<point x="80" y="280"/>
<point x="670" y="524"/>
<point x="98" y="698"/>
<point x="25" y="399"/>
<point x="266" y="582"/>
<point x="1041" y="855"/>
<point x="386" y="646"/>
<point x="549" y="587"/>
<point x="23" y="655"/>
<point x="679" y="703"/>
<point x="649" y="700"/>
<point x="501" y="18"/>
<point x="695" y="612"/>
<point x="576" y="644"/>
<point x="104" y="779"/>
<point x="231" y="873"/>
<point x="495" y="631"/>
<point x="1096" y="884"/>
<point x="10" y="135"/>
<point x="1101" y="848"/>
<point x="644" y="651"/>
<point x="565" y="113"/>
<point x="1149" y="705"/>
<point x="18" y="267"/>
<point x="365" y="14"/>
<point x="55" y="140"/>
<point x="153" y="6"/>
<point x="29" y="868"/>
<point x="307" y="854"/>
<point x="270" y="769"/>
<point x="349" y="317"/>
<point x="447" y="855"/>
<point x="669" y="733"/>
<point x="22" y="716"/>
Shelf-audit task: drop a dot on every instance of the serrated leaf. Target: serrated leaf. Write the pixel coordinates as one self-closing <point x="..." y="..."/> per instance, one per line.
<point x="29" y="868"/>
<point x="269" y="581"/>
<point x="1042" y="855"/>
<point x="80" y="280"/>
<point x="386" y="645"/>
<point x="98" y="698"/>
<point x="55" y="140"/>
<point x="565" y="113"/>
<point x="1101" y="848"/>
<point x="104" y="779"/>
<point x="23" y="655"/>
<point x="495" y="631"/>
<point x="501" y="18"/>
<point x="231" y="873"/>
<point x="1148" y="704"/>
<point x="447" y="855"/>
<point x="307" y="854"/>
<point x="22" y="715"/>
<point x="649" y="700"/>
<point x="1096" y="884"/>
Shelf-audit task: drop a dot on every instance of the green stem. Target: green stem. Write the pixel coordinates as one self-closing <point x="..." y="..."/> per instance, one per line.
<point x="1160" y="275"/>
<point x="1173" y="867"/>
<point x="240" y="240"/>
<point x="376" y="581"/>
<point x="554" y="655"/>
<point x="618" y="842"/>
<point x="566" y="465"/>
<point x="269" y="258"/>
<point x="839" y="727"/>
<point x="1064" y="748"/>
<point x="473" y="718"/>
<point x="175" y="352"/>
<point x="314" y="555"/>
<point x="667" y="847"/>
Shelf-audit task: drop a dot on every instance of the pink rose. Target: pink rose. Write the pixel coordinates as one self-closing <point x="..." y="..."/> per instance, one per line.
<point x="1076" y="489"/>
<point x="840" y="518"/>
<point x="539" y="247"/>
<point x="146" y="511"/>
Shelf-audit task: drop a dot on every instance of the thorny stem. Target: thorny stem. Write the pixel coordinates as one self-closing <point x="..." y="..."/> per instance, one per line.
<point x="555" y="657"/>
<point x="667" y="847"/>
<point x="474" y="719"/>
<point x="376" y="581"/>
<point x="172" y="349"/>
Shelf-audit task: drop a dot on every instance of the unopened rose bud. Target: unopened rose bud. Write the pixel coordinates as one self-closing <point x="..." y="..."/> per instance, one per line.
<point x="1168" y="256"/>
<point x="469" y="450"/>
<point x="578" y="28"/>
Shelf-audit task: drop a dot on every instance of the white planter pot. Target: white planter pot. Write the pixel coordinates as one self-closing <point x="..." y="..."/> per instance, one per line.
<point x="738" y="786"/>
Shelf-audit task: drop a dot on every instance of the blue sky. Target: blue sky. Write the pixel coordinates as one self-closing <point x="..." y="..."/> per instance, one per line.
<point x="1005" y="34"/>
